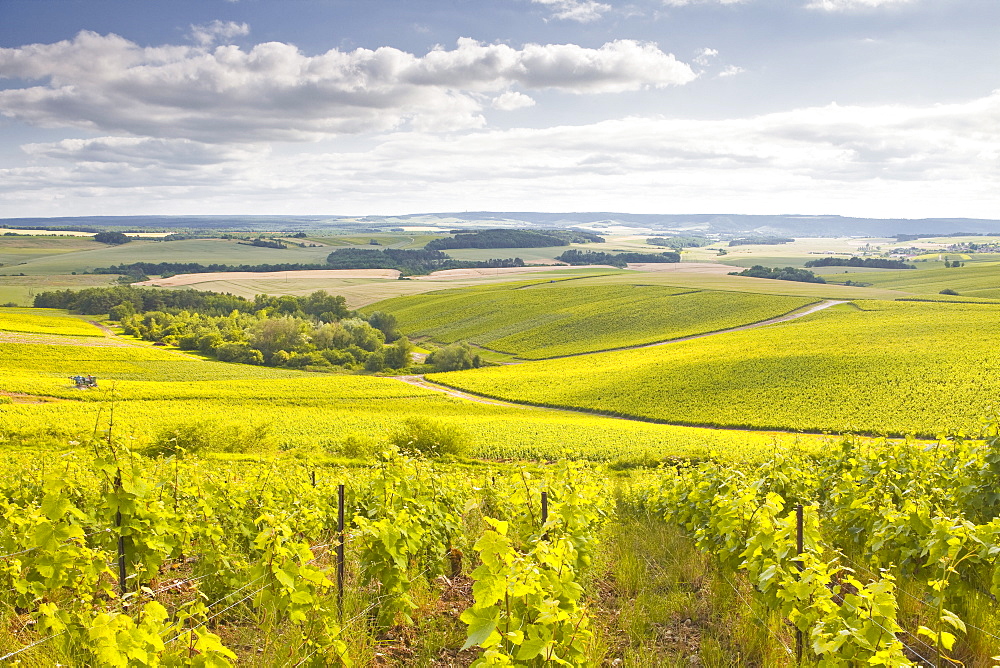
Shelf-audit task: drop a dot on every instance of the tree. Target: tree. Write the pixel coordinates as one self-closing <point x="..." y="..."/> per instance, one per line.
<point x="397" y="356"/>
<point x="454" y="357"/>
<point x="386" y="323"/>
<point x="274" y="334"/>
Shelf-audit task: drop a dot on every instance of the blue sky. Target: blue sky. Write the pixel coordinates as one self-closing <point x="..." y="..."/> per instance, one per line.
<point x="883" y="108"/>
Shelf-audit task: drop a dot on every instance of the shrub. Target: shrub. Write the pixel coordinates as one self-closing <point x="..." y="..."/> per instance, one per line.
<point x="947" y="291"/>
<point x="357" y="445"/>
<point x="194" y="437"/>
<point x="431" y="438"/>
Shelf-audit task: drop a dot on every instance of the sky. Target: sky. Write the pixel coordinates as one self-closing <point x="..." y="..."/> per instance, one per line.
<point x="875" y="108"/>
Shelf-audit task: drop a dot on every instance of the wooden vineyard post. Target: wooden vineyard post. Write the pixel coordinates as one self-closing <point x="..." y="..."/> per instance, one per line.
<point x="798" y="551"/>
<point x="340" y="551"/>
<point x="121" y="537"/>
<point x="545" y="513"/>
<point x="312" y="477"/>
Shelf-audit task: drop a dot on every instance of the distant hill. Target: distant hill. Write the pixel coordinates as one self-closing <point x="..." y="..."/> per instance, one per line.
<point x="730" y="224"/>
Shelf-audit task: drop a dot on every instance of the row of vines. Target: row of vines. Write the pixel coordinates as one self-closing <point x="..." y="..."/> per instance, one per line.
<point x="895" y="562"/>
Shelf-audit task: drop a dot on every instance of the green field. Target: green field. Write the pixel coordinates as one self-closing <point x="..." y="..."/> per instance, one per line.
<point x="878" y="367"/>
<point x="204" y="251"/>
<point x="543" y="319"/>
<point x="972" y="280"/>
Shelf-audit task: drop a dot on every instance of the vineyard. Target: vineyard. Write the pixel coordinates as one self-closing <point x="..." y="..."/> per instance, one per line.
<point x="870" y="367"/>
<point x="155" y="390"/>
<point x="190" y="512"/>
<point x="559" y="318"/>
<point x="869" y="554"/>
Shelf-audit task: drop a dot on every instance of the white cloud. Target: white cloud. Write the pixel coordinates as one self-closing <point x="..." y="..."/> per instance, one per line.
<point x="275" y="92"/>
<point x="583" y="11"/>
<point x="731" y="71"/>
<point x="878" y="161"/>
<point x="705" y="56"/>
<point x="217" y="31"/>
<point x="685" y="3"/>
<point x="511" y="100"/>
<point x="850" y="5"/>
<point x="142" y="152"/>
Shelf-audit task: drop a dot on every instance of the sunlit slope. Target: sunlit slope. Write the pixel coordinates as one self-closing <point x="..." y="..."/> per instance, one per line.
<point x="886" y="367"/>
<point x="550" y="319"/>
<point x="971" y="280"/>
<point x="152" y="389"/>
<point x="45" y="321"/>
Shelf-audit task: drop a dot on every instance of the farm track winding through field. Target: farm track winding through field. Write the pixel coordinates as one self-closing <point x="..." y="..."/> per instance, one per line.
<point x="421" y="381"/>
<point x="791" y="315"/>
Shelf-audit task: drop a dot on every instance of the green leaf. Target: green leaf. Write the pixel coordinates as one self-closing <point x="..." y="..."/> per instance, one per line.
<point x="531" y="648"/>
<point x="482" y="624"/>
<point x="489" y="590"/>
<point x="55" y="506"/>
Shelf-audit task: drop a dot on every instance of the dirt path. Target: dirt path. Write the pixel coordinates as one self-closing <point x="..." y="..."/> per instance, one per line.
<point x="420" y="381"/>
<point x="792" y="315"/>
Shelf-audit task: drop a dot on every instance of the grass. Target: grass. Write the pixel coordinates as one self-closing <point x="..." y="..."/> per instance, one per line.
<point x="662" y="602"/>
<point x="880" y="367"/>
<point x="22" y="289"/>
<point x="543" y="319"/>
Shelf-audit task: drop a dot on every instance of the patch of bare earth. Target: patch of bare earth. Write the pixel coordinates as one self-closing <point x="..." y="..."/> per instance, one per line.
<point x="53" y="340"/>
<point x="500" y="271"/>
<point x="18" y="398"/>
<point x="190" y="279"/>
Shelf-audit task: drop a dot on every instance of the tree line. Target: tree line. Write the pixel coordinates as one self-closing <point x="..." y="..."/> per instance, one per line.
<point x="782" y="274"/>
<point x="869" y="262"/>
<point x="577" y="257"/>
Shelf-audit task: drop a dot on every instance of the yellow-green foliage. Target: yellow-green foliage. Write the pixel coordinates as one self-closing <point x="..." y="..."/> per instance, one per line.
<point x="882" y="367"/>
<point x="542" y="319"/>
<point x="45" y="321"/>
<point x="156" y="390"/>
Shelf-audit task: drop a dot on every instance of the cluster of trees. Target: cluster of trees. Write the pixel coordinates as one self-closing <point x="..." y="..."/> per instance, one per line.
<point x="678" y="242"/>
<point x="869" y="262"/>
<point x="783" y="274"/>
<point x="99" y="301"/>
<point x="407" y="262"/>
<point x="112" y="238"/>
<point x="261" y="242"/>
<point x="353" y="343"/>
<point x="507" y="238"/>
<point x="577" y="257"/>
<point x="952" y="264"/>
<point x="314" y="331"/>
<point x="760" y="240"/>
<point x="171" y="268"/>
